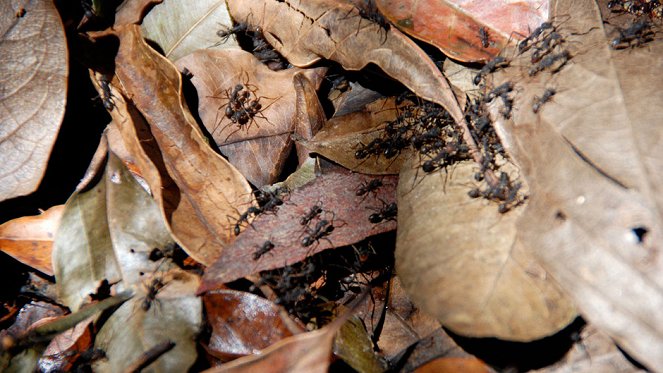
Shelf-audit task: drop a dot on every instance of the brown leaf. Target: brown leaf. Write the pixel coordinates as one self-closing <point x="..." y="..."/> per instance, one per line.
<point x="30" y="239"/>
<point x="307" y="352"/>
<point x="33" y="67"/>
<point x="305" y="32"/>
<point x="260" y="147"/>
<point x="336" y="193"/>
<point x="354" y="346"/>
<point x="343" y="135"/>
<point x="456" y="27"/>
<point x="181" y="27"/>
<point x="243" y="323"/>
<point x="591" y="157"/>
<point x="132" y="11"/>
<point x="455" y="364"/>
<point x="310" y="116"/>
<point x="472" y="275"/>
<point x="209" y="184"/>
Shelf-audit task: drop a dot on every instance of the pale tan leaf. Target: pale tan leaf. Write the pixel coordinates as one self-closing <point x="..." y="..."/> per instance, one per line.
<point x="460" y="261"/>
<point x="591" y="156"/>
<point x="33" y="67"/>
<point x="181" y="27"/>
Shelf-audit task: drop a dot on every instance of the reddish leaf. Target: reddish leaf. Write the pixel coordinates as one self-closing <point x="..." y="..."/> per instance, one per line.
<point x="244" y="324"/>
<point x="454" y="26"/>
<point x="30" y="239"/>
<point x="336" y="193"/>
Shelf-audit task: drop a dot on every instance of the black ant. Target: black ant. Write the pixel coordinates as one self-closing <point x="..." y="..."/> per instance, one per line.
<point x="323" y="229"/>
<point x="539" y="101"/>
<point x="370" y="12"/>
<point x="561" y="58"/>
<point x="368" y="187"/>
<point x="152" y="289"/>
<point x="524" y="44"/>
<point x="637" y="34"/>
<point x="226" y="32"/>
<point x="484" y="37"/>
<point x="244" y="217"/>
<point x="386" y="213"/>
<point x="491" y="66"/>
<point x="314" y="212"/>
<point x="546" y="46"/>
<point x="262" y="250"/>
<point x="106" y="94"/>
<point x="269" y="201"/>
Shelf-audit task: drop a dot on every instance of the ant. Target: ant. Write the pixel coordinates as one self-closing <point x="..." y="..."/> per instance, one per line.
<point x="539" y="101"/>
<point x="370" y="12"/>
<point x="152" y="289"/>
<point x="546" y="46"/>
<point x="323" y="229"/>
<point x="368" y="187"/>
<point x="244" y="217"/>
<point x="638" y="33"/>
<point x="491" y="66"/>
<point x="524" y="44"/>
<point x="484" y="36"/>
<point x="548" y="61"/>
<point x="106" y="94"/>
<point x="386" y="213"/>
<point x="269" y="201"/>
<point x="226" y="32"/>
<point x="314" y="212"/>
<point x="262" y="250"/>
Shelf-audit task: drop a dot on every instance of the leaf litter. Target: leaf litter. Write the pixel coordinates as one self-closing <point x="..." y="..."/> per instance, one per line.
<point x="488" y="202"/>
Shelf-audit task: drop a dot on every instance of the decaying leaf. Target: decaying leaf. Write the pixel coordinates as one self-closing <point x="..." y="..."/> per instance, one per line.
<point x="469" y="31"/>
<point x="33" y="67"/>
<point x="335" y="193"/>
<point x="307" y="352"/>
<point x="473" y="275"/>
<point x="594" y="217"/>
<point x="342" y="136"/>
<point x="30" y="239"/>
<point x="133" y="11"/>
<point x="180" y="27"/>
<point x="305" y="32"/>
<point x="455" y="364"/>
<point x="260" y="146"/>
<point x="244" y="324"/>
<point x="354" y="346"/>
<point x="209" y="186"/>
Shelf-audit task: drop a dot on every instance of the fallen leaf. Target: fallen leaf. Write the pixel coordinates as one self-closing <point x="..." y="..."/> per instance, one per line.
<point x="354" y="346"/>
<point x="308" y="31"/>
<point x="455" y="364"/>
<point x="180" y="27"/>
<point x="210" y="185"/>
<point x="30" y="239"/>
<point x="133" y="11"/>
<point x="342" y="136"/>
<point x="33" y="66"/>
<point x="306" y="352"/>
<point x="260" y="147"/>
<point x="243" y="323"/>
<point x="336" y="193"/>
<point x="456" y="27"/>
<point x="472" y="275"/>
<point x="591" y="158"/>
<point x="310" y="116"/>
<point x="66" y="347"/>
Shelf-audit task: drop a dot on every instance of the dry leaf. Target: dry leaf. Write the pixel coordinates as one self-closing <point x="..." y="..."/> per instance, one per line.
<point x="336" y="193"/>
<point x="260" y="147"/>
<point x="342" y="136"/>
<point x="243" y="323"/>
<point x="181" y="27"/>
<point x="468" y="31"/>
<point x="591" y="158"/>
<point x="132" y="11"/>
<point x="306" y="32"/>
<point x="30" y="239"/>
<point x="308" y="352"/>
<point x="310" y="116"/>
<point x="354" y="346"/>
<point x="209" y="184"/>
<point x="455" y="364"/>
<point x="472" y="274"/>
<point x="33" y="67"/>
